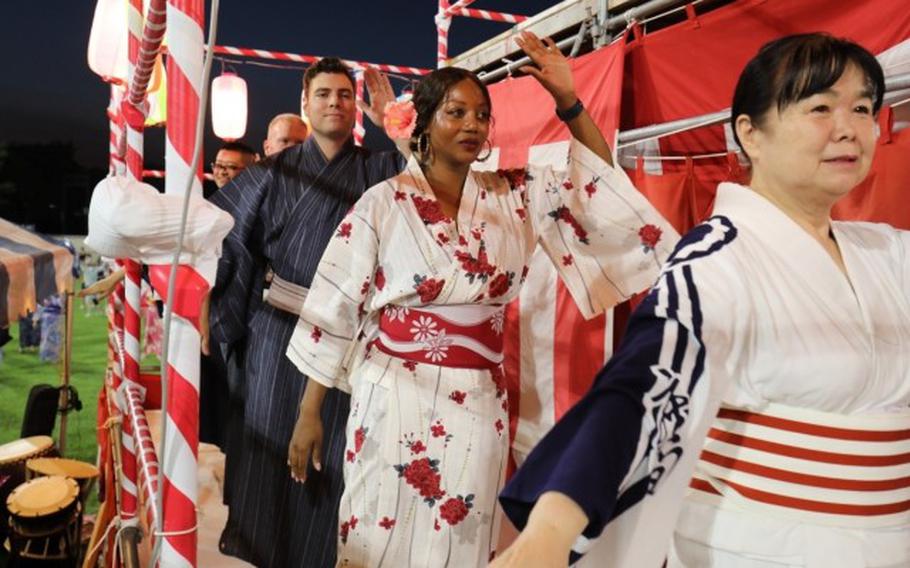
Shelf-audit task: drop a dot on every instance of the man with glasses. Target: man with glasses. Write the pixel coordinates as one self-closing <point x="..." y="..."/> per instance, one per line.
<point x="231" y="159"/>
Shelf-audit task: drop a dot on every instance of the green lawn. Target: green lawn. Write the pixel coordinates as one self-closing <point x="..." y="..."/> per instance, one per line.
<point x="20" y="371"/>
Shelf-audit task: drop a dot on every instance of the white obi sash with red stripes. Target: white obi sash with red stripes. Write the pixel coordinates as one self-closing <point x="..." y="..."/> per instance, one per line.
<point x="465" y="336"/>
<point x="817" y="467"/>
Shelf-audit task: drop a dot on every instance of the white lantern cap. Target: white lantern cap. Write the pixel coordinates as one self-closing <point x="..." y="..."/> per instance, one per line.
<point x="108" y="42"/>
<point x="229" y="106"/>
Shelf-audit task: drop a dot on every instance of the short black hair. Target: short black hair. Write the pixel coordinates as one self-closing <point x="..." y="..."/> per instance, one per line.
<point x="327" y="65"/>
<point x="237" y="147"/>
<point x="795" y="67"/>
<point x="431" y="92"/>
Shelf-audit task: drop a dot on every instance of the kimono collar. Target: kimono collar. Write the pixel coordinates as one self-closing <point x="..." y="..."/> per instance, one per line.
<point x="415" y="173"/>
<point x="747" y="207"/>
<point x="311" y="148"/>
<point x="475" y="179"/>
<point x="771" y="226"/>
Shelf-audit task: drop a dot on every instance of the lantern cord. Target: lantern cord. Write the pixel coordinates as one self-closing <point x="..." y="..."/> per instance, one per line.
<point x="288" y="66"/>
<point x="172" y="277"/>
<point x="292" y="67"/>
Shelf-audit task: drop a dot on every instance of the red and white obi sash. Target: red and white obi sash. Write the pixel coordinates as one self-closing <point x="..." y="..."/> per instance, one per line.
<point x="464" y="336"/>
<point x="829" y="469"/>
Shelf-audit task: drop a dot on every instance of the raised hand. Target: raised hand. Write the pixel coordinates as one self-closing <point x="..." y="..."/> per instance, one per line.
<point x="380" y="90"/>
<point x="551" y="67"/>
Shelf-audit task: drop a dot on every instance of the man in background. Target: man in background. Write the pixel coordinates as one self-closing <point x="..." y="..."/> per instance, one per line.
<point x="285" y="130"/>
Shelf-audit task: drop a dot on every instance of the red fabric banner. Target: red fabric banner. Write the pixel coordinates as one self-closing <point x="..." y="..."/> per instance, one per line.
<point x="882" y="197"/>
<point x="691" y="68"/>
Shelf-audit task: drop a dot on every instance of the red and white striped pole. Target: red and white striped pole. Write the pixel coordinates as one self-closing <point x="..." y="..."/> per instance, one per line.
<point x="359" y="130"/>
<point x="160" y="174"/>
<point x="145" y="36"/>
<point x="443" y="21"/>
<point x="454" y="6"/>
<point x="129" y="503"/>
<point x="117" y="162"/>
<point x="145" y="452"/>
<point x="300" y="58"/>
<point x="116" y="305"/>
<point x="185" y="64"/>
<point x="486" y="15"/>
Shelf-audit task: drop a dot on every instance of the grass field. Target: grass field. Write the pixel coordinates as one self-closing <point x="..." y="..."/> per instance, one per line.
<point x="20" y="371"/>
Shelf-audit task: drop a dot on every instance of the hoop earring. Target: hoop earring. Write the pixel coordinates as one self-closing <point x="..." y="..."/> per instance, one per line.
<point x="489" y="151"/>
<point x="423" y="145"/>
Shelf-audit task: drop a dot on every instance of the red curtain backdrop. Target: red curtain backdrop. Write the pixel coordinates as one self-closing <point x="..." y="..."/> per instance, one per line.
<point x="882" y="197"/>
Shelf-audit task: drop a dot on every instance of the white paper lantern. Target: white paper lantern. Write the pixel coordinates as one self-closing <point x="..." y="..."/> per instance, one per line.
<point x="108" y="46"/>
<point x="229" y="106"/>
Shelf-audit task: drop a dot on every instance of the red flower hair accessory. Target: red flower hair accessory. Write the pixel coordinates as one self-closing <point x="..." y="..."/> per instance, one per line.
<point x="400" y="119"/>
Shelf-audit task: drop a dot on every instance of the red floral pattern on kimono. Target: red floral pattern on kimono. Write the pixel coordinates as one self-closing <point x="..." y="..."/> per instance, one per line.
<point x="650" y="236"/>
<point x="344" y="231"/>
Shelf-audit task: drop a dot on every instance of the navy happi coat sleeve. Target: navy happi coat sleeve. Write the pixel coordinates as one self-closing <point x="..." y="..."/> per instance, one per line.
<point x="647" y="412"/>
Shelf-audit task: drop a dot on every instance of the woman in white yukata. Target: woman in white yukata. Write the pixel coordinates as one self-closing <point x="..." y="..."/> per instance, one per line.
<point x="756" y="414"/>
<point x="406" y="311"/>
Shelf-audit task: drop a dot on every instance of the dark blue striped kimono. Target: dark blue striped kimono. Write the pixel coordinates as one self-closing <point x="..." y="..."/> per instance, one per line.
<point x="285" y="211"/>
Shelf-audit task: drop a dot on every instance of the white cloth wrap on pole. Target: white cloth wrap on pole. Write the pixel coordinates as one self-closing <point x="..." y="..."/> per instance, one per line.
<point x="130" y="219"/>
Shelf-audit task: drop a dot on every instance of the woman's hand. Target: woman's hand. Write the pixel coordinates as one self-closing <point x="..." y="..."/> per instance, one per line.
<point x="306" y="441"/>
<point x="553" y="72"/>
<point x="532" y="551"/>
<point x="554" y="524"/>
<point x="551" y="68"/>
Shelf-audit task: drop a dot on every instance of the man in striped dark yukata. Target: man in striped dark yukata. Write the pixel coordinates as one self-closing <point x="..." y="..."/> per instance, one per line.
<point x="286" y="209"/>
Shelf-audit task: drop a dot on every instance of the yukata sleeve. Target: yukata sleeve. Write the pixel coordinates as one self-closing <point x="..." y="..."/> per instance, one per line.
<point x="605" y="239"/>
<point x="637" y="433"/>
<point x="242" y="257"/>
<point x="903" y="246"/>
<point x="331" y="317"/>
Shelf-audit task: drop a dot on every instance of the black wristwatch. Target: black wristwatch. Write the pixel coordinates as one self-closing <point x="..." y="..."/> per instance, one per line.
<point x="570" y="113"/>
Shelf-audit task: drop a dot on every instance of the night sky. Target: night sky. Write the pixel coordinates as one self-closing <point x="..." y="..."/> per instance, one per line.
<point x="48" y="93"/>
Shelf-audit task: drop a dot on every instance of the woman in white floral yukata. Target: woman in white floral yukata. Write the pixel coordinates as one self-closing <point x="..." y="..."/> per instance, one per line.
<point x="406" y="312"/>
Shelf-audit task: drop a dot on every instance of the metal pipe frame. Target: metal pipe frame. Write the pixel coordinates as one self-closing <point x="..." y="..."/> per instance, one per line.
<point x="895" y="90"/>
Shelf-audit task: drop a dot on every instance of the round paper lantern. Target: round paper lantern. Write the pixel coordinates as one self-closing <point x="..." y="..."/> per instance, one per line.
<point x="108" y="42"/>
<point x="229" y="106"/>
